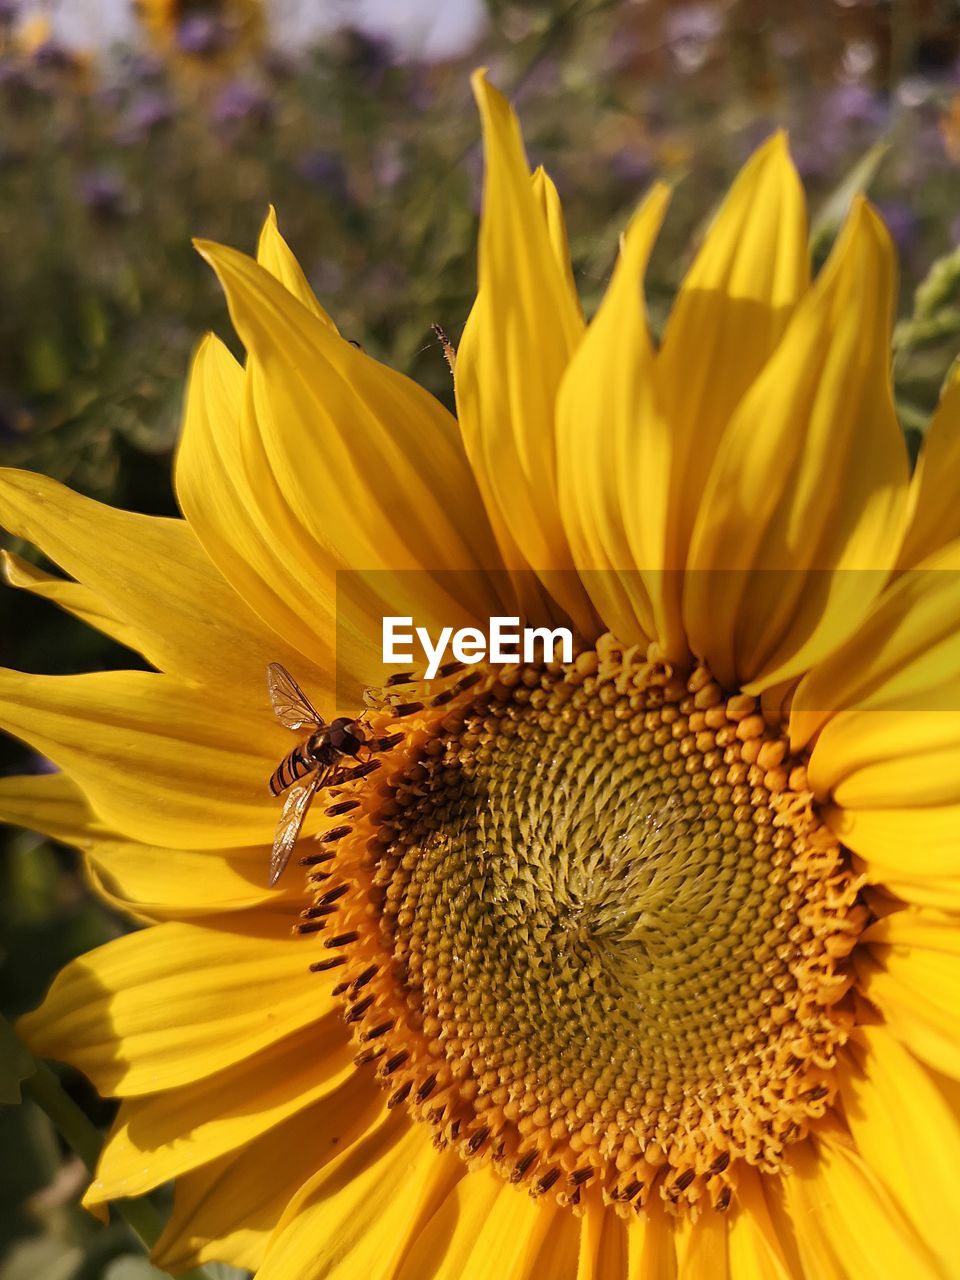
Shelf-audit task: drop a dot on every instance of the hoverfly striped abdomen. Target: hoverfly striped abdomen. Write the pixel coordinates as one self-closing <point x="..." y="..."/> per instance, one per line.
<point x="301" y="760"/>
<point x="314" y="763"/>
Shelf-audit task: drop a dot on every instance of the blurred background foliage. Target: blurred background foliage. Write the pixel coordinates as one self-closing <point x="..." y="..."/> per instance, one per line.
<point x="123" y="137"/>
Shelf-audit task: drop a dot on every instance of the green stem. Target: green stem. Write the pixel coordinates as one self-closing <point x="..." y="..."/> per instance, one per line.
<point x="85" y="1139"/>
<point x="71" y="1123"/>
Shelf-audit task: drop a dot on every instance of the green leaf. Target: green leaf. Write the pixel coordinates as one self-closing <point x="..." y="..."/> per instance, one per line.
<point x="16" y="1064"/>
<point x="836" y="206"/>
<point x="47" y="368"/>
<point x="938" y="292"/>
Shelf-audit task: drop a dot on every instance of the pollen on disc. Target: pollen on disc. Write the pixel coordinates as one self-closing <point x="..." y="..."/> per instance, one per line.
<point x="597" y="932"/>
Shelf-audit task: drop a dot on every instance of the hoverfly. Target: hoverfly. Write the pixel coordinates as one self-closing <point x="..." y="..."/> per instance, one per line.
<point x="311" y="764"/>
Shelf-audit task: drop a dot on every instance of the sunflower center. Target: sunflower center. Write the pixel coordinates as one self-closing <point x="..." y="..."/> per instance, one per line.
<point x="596" y="931"/>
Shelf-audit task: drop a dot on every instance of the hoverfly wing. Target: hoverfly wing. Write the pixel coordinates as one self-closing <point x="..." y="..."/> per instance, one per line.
<point x="292" y="706"/>
<point x="295" y="809"/>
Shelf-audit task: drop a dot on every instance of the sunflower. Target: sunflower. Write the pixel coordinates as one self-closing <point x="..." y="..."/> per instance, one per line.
<point x="641" y="965"/>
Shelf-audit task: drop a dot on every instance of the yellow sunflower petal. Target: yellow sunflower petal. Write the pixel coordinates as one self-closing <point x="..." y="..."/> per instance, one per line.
<point x="369" y="463"/>
<point x="935" y="517"/>
<point x="793" y="1203"/>
<point x="754" y="1245"/>
<point x="921" y="891"/>
<point x="108" y="1012"/>
<point x="447" y="1240"/>
<point x="912" y="975"/>
<point x="603" y="1245"/>
<point x="516" y="345"/>
<point x="702" y="1247"/>
<point x="48" y="803"/>
<point x="905" y="654"/>
<point x="802" y="513"/>
<point x="275" y="256"/>
<point x="150" y="574"/>
<point x="775" y="1200"/>
<point x="75" y="598"/>
<point x="613" y="451"/>
<point x="558" y="1254"/>
<point x="159" y="761"/>
<point x="163" y="1135"/>
<point x="552" y="211"/>
<point x="151" y="880"/>
<point x="846" y="1223"/>
<point x="729" y="316"/>
<point x="880" y="759"/>
<point x="236" y="508"/>
<point x="360" y="1215"/>
<point x="651" y="1245"/>
<point x="227" y="1210"/>
<point x="181" y="884"/>
<point x="485" y="1227"/>
<point x="913" y="852"/>
<point x="907" y="1133"/>
<point x="512" y="1239"/>
<point x="889" y="749"/>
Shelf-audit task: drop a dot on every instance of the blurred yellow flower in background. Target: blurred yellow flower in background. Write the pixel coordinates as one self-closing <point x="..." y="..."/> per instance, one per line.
<point x="214" y="32"/>
<point x="950" y="128"/>
<point x="33" y="34"/>
<point x="643" y="965"/>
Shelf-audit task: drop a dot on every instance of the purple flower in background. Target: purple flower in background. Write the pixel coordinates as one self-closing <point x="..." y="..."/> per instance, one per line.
<point x="200" y="33"/>
<point x="147" y="113"/>
<point x="367" y="55"/>
<point x="54" y="56"/>
<point x="927" y="151"/>
<point x="324" y="169"/>
<point x="621" y="52"/>
<point x="955" y="231"/>
<point x="810" y="158"/>
<point x="851" y="116"/>
<point x="239" y="102"/>
<point x="8" y="11"/>
<point x="633" y="164"/>
<point x="143" y="66"/>
<point x="388" y="166"/>
<point x="690" y="32"/>
<point x="855" y="104"/>
<point x="902" y="223"/>
<point x="103" y="192"/>
<point x="151" y="110"/>
<point x="109" y="97"/>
